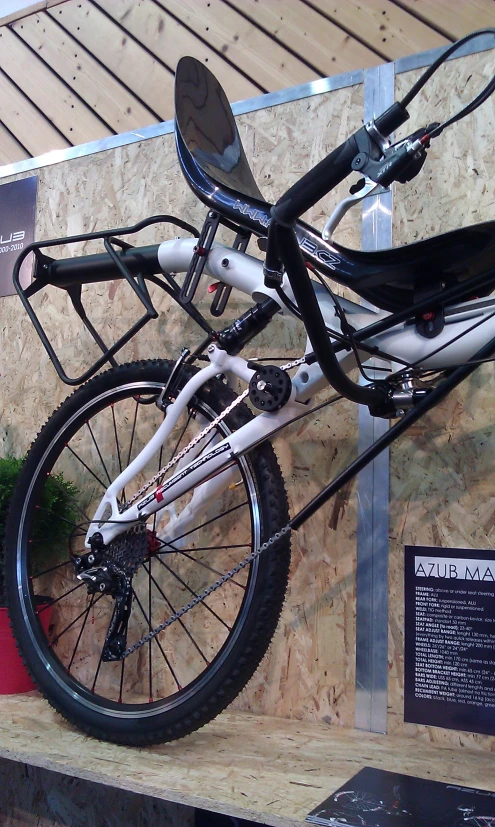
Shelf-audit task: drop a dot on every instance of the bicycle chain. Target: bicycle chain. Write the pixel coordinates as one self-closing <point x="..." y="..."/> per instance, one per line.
<point x="209" y="590"/>
<point x="192" y="444"/>
<point x="237" y="568"/>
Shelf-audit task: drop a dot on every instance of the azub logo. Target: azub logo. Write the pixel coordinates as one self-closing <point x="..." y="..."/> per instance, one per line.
<point x="17" y="236"/>
<point x="455" y="568"/>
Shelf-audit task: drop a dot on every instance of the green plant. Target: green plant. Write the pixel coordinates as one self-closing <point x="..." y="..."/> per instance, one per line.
<point x="58" y="500"/>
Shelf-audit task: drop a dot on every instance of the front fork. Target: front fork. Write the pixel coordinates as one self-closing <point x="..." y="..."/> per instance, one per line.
<point x="109" y="522"/>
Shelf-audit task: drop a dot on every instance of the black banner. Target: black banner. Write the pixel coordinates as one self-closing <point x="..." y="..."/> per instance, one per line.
<point x="17" y="223"/>
<point x="449" y="676"/>
<point x="377" y="798"/>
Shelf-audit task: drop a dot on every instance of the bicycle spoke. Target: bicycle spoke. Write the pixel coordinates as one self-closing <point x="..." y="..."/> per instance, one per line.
<point x="81" y="631"/>
<point x="86" y="612"/>
<point x="122" y="673"/>
<point x="99" y="453"/>
<point x="199" y="562"/>
<point x="54" y="514"/>
<point x="70" y="498"/>
<point x="180" y="438"/>
<point x="201" y="548"/>
<point x="191" y="591"/>
<point x="160" y="457"/>
<point x="116" y="437"/>
<point x="97" y="670"/>
<point x="87" y="467"/>
<point x="208" y="522"/>
<point x="157" y="642"/>
<point x="133" y="432"/>
<point x="112" y="406"/>
<point x="180" y="621"/>
<point x="47" y="571"/>
<point x="57" y="599"/>
<point x="215" y="571"/>
<point x="151" y="641"/>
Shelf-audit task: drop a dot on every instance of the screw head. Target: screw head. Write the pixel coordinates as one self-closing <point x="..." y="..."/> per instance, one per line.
<point x="261" y="385"/>
<point x="91" y="558"/>
<point x="211" y="348"/>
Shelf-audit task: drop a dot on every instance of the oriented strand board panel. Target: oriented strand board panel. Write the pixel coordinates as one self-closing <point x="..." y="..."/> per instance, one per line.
<point x="309" y="672"/>
<point x="443" y="471"/>
<point x="257" y="768"/>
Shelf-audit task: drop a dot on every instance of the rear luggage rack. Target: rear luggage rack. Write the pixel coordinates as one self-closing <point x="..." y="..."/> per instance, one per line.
<point x="97" y="268"/>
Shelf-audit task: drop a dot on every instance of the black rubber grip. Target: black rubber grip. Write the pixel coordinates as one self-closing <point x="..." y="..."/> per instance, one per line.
<point x="391" y="119"/>
<point x="315" y="184"/>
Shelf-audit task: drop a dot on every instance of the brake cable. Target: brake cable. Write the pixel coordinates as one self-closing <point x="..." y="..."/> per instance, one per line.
<point x="466" y="110"/>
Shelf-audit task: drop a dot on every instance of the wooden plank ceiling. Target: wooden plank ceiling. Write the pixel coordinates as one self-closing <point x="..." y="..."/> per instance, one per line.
<point x="73" y="71"/>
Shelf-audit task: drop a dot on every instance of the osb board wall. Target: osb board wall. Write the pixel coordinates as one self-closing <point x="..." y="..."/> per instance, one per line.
<point x="309" y="672"/>
<point x="443" y="472"/>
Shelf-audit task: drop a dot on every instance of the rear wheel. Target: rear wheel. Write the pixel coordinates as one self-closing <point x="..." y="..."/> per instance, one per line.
<point x="183" y="677"/>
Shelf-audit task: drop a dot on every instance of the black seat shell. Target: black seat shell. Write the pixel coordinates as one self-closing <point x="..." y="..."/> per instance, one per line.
<point x="214" y="163"/>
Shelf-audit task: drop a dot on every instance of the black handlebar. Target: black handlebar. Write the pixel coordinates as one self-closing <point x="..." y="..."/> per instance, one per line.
<point x="361" y="150"/>
<point x="315" y="184"/>
<point x="335" y="167"/>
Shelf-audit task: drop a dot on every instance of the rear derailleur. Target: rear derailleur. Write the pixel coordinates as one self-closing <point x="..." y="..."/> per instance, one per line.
<point x="104" y="577"/>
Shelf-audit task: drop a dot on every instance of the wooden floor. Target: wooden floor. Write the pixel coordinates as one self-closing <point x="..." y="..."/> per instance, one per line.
<point x="74" y="71"/>
<point x="266" y="769"/>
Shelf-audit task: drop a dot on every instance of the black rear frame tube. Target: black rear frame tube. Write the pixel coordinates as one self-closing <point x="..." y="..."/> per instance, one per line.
<point x="289" y="252"/>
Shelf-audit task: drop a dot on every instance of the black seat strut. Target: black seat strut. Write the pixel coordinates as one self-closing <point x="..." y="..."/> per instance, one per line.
<point x="290" y="255"/>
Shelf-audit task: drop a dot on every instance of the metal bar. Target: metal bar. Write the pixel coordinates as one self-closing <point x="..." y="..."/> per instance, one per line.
<point x="373" y="481"/>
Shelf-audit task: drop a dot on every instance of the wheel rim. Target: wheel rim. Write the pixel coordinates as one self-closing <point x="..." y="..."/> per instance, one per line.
<point x="171" y="668"/>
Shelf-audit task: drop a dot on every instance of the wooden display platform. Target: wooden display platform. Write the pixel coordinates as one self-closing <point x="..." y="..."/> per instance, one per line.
<point x="267" y="769"/>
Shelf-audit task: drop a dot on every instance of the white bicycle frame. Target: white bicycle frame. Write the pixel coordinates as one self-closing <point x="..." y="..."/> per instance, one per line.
<point x="468" y="327"/>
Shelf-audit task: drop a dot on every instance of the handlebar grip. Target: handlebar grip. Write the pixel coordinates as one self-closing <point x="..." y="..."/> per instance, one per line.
<point x="391" y="119"/>
<point x="315" y="184"/>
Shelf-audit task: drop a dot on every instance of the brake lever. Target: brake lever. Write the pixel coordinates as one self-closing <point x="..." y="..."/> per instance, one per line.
<point x="400" y="162"/>
<point x="340" y="210"/>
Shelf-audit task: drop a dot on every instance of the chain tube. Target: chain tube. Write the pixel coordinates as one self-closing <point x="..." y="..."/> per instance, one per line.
<point x="240" y="566"/>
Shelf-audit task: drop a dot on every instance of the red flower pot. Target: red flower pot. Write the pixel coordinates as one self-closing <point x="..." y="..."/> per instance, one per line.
<point x="13" y="674"/>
